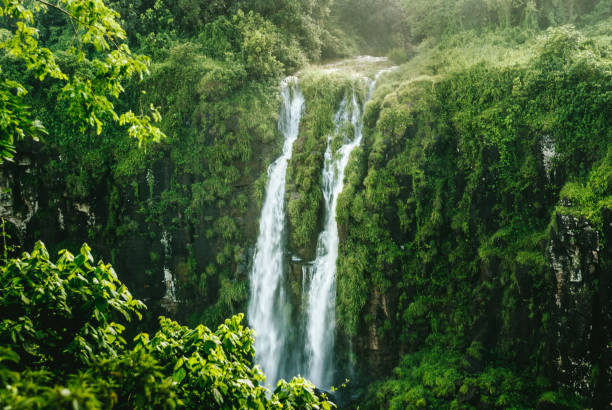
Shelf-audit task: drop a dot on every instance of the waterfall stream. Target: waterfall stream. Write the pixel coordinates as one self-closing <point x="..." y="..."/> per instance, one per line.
<point x="321" y="274"/>
<point x="270" y="311"/>
<point x="267" y="306"/>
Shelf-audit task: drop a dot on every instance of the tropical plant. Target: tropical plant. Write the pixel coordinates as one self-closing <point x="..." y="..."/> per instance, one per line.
<point x="62" y="345"/>
<point x="97" y="45"/>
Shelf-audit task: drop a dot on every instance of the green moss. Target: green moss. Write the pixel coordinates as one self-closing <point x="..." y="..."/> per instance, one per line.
<point x="448" y="204"/>
<point x="323" y="94"/>
<point x="154" y="257"/>
<point x="587" y="199"/>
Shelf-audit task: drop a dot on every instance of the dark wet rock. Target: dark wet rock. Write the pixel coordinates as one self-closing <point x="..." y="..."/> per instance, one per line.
<point x="580" y="262"/>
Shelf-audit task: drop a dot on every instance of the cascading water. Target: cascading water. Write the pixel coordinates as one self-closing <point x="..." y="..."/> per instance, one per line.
<point x="170" y="296"/>
<point x="267" y="311"/>
<point x="321" y="320"/>
<point x="277" y="348"/>
<point x="321" y="274"/>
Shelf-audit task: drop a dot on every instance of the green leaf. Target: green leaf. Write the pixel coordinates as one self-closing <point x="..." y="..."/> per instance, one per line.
<point x="178" y="364"/>
<point x="179" y="375"/>
<point x="217" y="395"/>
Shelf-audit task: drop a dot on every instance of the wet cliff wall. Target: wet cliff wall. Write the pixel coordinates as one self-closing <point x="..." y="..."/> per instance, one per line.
<point x="475" y="231"/>
<point x="180" y="214"/>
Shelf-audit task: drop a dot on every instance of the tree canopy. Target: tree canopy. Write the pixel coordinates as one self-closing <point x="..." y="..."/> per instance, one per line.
<point x="63" y="344"/>
<point x="89" y="92"/>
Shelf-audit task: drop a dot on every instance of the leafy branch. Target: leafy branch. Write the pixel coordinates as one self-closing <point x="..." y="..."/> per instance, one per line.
<point x="88" y="95"/>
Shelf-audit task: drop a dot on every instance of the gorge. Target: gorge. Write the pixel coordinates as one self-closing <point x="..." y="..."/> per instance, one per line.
<point x="427" y="228"/>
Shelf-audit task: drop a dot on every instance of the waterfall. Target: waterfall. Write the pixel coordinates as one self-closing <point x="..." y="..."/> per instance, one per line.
<point x="285" y="347"/>
<point x="268" y="310"/>
<point x="321" y="287"/>
<point x="170" y="295"/>
<point x="321" y="274"/>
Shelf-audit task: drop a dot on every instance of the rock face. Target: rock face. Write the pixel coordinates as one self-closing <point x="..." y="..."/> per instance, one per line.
<point x="18" y="201"/>
<point x="36" y="208"/>
<point x="580" y="260"/>
<point x="129" y="222"/>
<point x="603" y="386"/>
<point x="376" y="347"/>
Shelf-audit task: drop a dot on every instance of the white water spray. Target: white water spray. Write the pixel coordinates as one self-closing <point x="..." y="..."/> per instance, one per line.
<point x="267" y="311"/>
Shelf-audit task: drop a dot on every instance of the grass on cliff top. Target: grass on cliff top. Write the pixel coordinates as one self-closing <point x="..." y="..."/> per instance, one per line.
<point x="498" y="48"/>
<point x="458" y="52"/>
<point x="360" y="66"/>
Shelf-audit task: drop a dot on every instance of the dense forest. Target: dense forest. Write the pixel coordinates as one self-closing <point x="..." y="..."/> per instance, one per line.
<point x="472" y="218"/>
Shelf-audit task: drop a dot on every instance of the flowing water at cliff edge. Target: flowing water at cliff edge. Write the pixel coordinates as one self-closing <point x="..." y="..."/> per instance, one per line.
<point x="269" y="308"/>
<point x="267" y="312"/>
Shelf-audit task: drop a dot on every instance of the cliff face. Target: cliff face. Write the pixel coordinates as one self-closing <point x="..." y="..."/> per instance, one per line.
<point x="476" y="221"/>
<point x="18" y="200"/>
<point x="376" y="351"/>
<point x="39" y="208"/>
<point x="580" y="258"/>
<point x="574" y="291"/>
<point x="118" y="222"/>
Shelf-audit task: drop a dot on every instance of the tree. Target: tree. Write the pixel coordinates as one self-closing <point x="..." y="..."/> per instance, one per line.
<point x="98" y="47"/>
<point x="61" y="346"/>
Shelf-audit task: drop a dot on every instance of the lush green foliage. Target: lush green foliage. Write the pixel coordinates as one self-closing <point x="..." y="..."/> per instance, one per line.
<point x="305" y="26"/>
<point x="60" y="314"/>
<point x="445" y="221"/>
<point x="250" y="41"/>
<point x="447" y="211"/>
<point x="221" y="133"/>
<point x="439" y="17"/>
<point x="588" y="197"/>
<point x="60" y="346"/>
<point x="89" y="93"/>
<point x="443" y="380"/>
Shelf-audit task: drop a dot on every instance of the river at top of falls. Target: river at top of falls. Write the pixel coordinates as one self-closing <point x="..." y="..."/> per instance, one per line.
<point x="285" y="347"/>
<point x="267" y="306"/>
